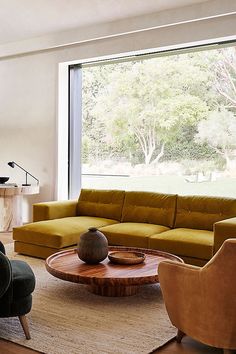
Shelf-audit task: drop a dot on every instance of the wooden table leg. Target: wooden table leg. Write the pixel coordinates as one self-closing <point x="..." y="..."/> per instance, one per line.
<point x="114" y="290"/>
<point x="24" y="324"/>
<point x="179" y="336"/>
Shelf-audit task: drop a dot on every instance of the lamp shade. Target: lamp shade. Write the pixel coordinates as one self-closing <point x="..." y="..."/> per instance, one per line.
<point x="11" y="164"/>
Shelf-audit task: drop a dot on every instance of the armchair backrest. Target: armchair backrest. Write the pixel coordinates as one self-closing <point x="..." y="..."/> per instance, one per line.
<point x="218" y="284"/>
<point x="224" y="261"/>
<point x="5" y="274"/>
<point x="201" y="302"/>
<point x="2" y="248"/>
<point x="218" y="276"/>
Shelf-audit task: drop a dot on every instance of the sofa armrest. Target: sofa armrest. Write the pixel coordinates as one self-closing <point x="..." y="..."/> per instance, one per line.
<point x="54" y="210"/>
<point x="223" y="230"/>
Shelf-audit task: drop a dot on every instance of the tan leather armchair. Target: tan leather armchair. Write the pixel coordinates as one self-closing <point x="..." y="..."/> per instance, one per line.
<point x="201" y="302"/>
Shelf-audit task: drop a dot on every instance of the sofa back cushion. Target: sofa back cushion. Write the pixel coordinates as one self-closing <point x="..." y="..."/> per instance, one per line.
<point x="201" y="212"/>
<point x="101" y="203"/>
<point x="148" y="207"/>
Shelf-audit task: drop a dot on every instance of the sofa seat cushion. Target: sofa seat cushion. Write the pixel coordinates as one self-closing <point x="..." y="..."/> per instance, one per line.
<point x="184" y="242"/>
<point x="131" y="234"/>
<point x="58" y="233"/>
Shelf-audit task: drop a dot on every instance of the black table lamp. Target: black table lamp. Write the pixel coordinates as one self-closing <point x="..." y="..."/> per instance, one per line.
<point x="13" y="164"/>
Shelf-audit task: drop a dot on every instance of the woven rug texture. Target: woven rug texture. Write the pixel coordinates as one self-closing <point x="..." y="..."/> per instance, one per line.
<point x="67" y="319"/>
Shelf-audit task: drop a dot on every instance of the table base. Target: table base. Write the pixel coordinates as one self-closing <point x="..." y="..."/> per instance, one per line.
<point x="118" y="290"/>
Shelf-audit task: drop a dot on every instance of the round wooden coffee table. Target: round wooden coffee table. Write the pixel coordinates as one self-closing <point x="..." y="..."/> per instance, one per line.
<point x="106" y="278"/>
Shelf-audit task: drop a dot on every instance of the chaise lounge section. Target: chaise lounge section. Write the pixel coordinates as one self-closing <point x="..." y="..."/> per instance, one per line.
<point x="192" y="227"/>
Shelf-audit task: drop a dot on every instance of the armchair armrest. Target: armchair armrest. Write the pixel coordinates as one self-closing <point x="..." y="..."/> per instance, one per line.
<point x="6" y="274"/>
<point x="182" y="292"/>
<point x="54" y="210"/>
<point x="223" y="230"/>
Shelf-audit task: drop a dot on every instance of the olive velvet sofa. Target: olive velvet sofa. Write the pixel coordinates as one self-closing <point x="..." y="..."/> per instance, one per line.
<point x="192" y="227"/>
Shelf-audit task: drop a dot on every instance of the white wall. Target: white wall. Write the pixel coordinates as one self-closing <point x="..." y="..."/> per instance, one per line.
<point x="29" y="92"/>
<point x="28" y="119"/>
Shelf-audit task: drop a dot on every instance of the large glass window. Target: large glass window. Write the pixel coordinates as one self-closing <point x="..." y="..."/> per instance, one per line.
<point x="166" y="124"/>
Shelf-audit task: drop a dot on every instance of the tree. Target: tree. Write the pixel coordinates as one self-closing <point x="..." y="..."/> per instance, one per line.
<point x="152" y="99"/>
<point x="95" y="135"/>
<point x="225" y="70"/>
<point x="219" y="131"/>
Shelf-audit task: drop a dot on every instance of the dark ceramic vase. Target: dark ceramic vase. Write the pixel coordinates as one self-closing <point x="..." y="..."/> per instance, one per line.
<point x="92" y="246"/>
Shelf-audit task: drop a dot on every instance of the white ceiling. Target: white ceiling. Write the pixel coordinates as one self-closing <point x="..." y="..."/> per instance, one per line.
<point x="24" y="19"/>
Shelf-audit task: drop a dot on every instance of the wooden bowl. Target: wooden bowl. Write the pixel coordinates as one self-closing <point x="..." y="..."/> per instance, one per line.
<point x="126" y="257"/>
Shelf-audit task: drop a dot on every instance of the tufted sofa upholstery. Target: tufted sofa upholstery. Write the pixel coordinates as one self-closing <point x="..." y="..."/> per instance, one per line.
<point x="193" y="227"/>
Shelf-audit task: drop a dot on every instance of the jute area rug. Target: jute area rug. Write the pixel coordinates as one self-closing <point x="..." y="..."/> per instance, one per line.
<point x="67" y="319"/>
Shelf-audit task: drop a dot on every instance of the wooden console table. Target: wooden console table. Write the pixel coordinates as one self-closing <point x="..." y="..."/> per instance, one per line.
<point x="11" y="205"/>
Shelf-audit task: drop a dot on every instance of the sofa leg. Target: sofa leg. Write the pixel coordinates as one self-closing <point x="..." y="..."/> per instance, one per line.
<point x="24" y="324"/>
<point x="179" y="336"/>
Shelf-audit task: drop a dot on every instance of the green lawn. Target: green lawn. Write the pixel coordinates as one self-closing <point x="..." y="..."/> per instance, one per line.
<point x="164" y="184"/>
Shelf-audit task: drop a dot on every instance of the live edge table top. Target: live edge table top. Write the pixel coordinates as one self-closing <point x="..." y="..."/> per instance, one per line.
<point x="106" y="278"/>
